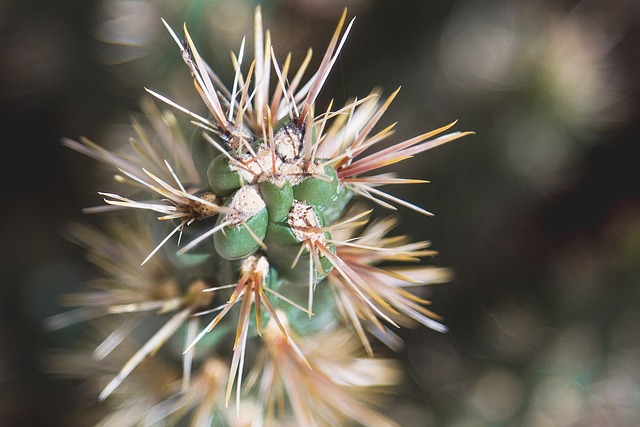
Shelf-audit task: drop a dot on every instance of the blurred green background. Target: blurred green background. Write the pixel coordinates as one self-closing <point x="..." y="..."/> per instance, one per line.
<point x="538" y="214"/>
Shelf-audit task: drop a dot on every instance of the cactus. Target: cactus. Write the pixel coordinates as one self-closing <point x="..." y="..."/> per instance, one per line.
<point x="281" y="248"/>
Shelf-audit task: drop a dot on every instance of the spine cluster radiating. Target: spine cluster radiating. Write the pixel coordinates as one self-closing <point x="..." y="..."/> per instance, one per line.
<point x="262" y="240"/>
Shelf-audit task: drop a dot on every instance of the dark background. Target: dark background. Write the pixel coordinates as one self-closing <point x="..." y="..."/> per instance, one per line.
<point x="538" y="214"/>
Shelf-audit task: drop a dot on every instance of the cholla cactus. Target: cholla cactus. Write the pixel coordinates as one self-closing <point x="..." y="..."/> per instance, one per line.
<point x="273" y="227"/>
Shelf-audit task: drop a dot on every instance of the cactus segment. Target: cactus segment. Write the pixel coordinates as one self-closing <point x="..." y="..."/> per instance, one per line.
<point x="224" y="179"/>
<point x="278" y="199"/>
<point x="318" y="189"/>
<point x="289" y="247"/>
<point x="247" y="228"/>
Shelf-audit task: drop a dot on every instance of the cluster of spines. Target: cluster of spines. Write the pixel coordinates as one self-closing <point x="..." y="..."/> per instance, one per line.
<point x="280" y="184"/>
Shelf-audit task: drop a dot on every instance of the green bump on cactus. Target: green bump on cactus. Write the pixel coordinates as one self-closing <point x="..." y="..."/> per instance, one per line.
<point x="237" y="241"/>
<point x="289" y="245"/>
<point x="278" y="199"/>
<point x="318" y="189"/>
<point x="224" y="179"/>
<point x="247" y="228"/>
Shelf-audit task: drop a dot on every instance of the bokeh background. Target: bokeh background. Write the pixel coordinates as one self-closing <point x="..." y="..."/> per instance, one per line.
<point x="538" y="214"/>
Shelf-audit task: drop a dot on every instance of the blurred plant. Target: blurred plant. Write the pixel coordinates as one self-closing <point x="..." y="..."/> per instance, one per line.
<point x="549" y="75"/>
<point x="134" y="45"/>
<point x="266" y="192"/>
